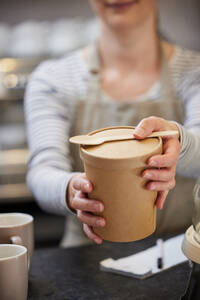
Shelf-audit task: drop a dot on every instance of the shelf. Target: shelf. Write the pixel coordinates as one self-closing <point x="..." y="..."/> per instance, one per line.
<point x="15" y="193"/>
<point x="13" y="158"/>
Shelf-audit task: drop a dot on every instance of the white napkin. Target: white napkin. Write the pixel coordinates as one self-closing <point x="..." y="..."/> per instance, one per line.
<point x="144" y="264"/>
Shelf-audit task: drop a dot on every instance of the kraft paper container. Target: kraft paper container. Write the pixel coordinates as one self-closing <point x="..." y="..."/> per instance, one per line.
<point x="115" y="170"/>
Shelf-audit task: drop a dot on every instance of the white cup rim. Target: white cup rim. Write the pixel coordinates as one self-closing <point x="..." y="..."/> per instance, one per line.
<point x="13" y="256"/>
<point x="28" y="220"/>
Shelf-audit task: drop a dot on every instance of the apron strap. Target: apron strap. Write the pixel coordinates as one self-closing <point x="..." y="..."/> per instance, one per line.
<point x="93" y="59"/>
<point x="166" y="82"/>
<point x="167" y="89"/>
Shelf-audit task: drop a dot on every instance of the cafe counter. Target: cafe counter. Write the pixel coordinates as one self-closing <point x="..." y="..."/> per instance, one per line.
<point x="73" y="274"/>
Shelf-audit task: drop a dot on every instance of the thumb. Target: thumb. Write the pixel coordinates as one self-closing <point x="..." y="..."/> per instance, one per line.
<point x="147" y="126"/>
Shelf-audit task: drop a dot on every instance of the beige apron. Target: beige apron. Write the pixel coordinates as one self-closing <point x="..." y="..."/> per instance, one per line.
<point x="97" y="111"/>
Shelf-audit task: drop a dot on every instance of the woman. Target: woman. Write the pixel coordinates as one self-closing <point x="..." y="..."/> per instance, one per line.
<point x="128" y="76"/>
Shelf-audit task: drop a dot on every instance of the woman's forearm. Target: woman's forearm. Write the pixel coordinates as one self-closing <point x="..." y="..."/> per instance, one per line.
<point x="189" y="158"/>
<point x="47" y="115"/>
<point x="49" y="187"/>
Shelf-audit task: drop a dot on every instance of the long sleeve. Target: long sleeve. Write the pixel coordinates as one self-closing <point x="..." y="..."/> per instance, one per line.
<point x="48" y="123"/>
<point x="189" y="159"/>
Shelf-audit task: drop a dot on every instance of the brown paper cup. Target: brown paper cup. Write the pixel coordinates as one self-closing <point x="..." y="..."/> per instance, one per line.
<point x="115" y="170"/>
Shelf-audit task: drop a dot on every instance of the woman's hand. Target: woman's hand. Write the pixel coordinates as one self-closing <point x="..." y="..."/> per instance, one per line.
<point x="162" y="175"/>
<point x="86" y="208"/>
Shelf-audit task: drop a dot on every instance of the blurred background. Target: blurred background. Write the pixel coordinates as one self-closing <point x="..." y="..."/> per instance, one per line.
<point x="30" y="32"/>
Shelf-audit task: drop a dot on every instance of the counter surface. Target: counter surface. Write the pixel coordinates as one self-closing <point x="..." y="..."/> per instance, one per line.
<point x="73" y="274"/>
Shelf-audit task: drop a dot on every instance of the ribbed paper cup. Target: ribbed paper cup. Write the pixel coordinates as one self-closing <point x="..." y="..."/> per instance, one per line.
<point x="115" y="168"/>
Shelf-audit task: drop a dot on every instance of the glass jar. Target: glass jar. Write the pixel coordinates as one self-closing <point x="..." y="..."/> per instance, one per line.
<point x="196" y="215"/>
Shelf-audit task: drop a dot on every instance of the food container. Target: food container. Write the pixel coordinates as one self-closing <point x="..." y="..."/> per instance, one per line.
<point x="115" y="168"/>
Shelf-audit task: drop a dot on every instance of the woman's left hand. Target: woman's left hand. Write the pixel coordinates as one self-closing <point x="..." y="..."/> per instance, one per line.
<point x="162" y="175"/>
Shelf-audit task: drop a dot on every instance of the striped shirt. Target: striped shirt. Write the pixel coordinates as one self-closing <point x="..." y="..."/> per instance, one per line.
<point x="53" y="87"/>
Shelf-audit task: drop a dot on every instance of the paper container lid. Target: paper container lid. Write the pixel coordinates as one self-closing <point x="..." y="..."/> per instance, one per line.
<point x="123" y="152"/>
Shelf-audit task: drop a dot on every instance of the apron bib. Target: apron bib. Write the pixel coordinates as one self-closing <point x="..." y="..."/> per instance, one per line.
<point x="97" y="111"/>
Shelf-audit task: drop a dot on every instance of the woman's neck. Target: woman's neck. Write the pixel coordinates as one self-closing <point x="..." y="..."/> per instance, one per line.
<point x="130" y="48"/>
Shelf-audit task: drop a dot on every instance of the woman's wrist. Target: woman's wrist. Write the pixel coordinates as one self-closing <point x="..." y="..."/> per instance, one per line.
<point x="176" y="126"/>
<point x="70" y="193"/>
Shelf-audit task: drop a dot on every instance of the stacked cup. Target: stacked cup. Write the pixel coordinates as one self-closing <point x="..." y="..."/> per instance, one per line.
<point x="16" y="250"/>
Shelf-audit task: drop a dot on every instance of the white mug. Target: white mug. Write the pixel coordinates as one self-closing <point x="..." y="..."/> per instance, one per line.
<point x="13" y="272"/>
<point x="17" y="228"/>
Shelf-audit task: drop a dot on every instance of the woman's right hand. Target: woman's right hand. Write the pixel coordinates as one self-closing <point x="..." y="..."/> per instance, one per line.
<point x="78" y="188"/>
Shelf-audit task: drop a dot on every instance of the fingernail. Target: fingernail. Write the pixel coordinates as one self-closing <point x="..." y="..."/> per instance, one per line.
<point x="139" y="131"/>
<point x="152" y="187"/>
<point x="153" y="163"/>
<point x="147" y="175"/>
<point x="87" y="186"/>
<point x="98" y="207"/>
<point x="162" y="205"/>
<point x="100" y="223"/>
<point x="97" y="241"/>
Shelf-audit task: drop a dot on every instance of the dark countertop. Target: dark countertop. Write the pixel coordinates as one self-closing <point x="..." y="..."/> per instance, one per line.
<point x="73" y="274"/>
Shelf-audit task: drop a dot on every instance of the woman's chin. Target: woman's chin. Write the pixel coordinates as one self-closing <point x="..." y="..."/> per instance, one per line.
<point x="118" y="22"/>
